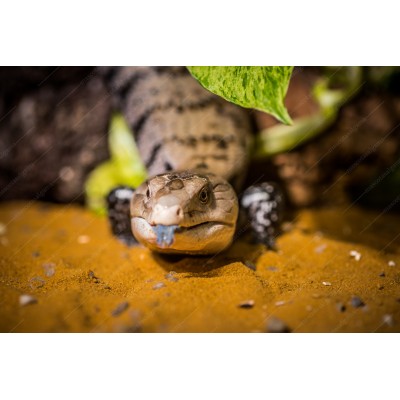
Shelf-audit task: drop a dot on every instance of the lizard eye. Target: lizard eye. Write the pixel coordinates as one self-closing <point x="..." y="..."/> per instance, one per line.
<point x="203" y="195"/>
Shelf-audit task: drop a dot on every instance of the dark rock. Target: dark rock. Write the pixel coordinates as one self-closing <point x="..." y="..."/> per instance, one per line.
<point x="356" y="302"/>
<point x="120" y="309"/>
<point x="340" y="307"/>
<point x="92" y="276"/>
<point x="246" y="304"/>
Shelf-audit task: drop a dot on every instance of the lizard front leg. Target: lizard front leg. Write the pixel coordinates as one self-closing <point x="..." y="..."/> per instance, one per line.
<point x="118" y="205"/>
<point x="263" y="206"/>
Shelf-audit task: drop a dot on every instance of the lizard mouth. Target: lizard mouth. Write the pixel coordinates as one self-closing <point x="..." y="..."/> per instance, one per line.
<point x="181" y="239"/>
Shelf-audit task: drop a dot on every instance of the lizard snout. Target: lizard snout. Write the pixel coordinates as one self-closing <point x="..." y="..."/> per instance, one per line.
<point x="167" y="211"/>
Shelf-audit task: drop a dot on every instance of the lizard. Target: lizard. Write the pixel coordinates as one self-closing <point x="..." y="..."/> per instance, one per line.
<point x="196" y="148"/>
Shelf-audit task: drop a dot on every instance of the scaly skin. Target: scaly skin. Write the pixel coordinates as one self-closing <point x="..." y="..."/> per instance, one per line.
<point x="193" y="143"/>
<point x="205" y="208"/>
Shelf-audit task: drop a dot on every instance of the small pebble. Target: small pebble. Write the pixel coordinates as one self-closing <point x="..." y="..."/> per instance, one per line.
<point x="91" y="275"/>
<point x="120" y="309"/>
<point x="309" y="308"/>
<point x="276" y="325"/>
<point x="320" y="249"/>
<point x="356" y="302"/>
<point x="382" y="274"/>
<point x="272" y="268"/>
<point x="391" y="263"/>
<point x="387" y="319"/>
<point x="381" y="287"/>
<point x="171" y="276"/>
<point x="3" y="228"/>
<point x="280" y="303"/>
<point x="35" y="254"/>
<point x="158" y="285"/>
<point x="327" y="283"/>
<point x="26" y="299"/>
<point x="36" y="282"/>
<point x="340" y="307"/>
<point x="49" y="269"/>
<point x="250" y="265"/>
<point x="83" y="239"/>
<point x="355" y="254"/>
<point x="246" y="304"/>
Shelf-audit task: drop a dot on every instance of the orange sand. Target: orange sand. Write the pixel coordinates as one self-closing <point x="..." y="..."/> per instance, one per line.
<point x="94" y="274"/>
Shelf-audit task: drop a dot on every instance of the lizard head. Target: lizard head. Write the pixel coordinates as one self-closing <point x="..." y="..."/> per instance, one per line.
<point x="184" y="212"/>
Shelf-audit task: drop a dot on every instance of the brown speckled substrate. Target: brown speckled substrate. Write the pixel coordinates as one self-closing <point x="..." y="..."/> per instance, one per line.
<point x="89" y="282"/>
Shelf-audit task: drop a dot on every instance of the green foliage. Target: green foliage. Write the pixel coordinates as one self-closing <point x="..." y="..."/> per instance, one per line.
<point x="261" y="88"/>
<point x="281" y="138"/>
<point x="124" y="168"/>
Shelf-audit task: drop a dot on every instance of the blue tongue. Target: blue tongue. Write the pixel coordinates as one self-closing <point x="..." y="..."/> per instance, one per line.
<point x="165" y="234"/>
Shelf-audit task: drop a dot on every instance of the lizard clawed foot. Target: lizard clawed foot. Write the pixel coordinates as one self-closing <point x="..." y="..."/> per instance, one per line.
<point x="118" y="206"/>
<point x="263" y="205"/>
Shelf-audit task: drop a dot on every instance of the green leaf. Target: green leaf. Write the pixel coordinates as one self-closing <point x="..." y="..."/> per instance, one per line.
<point x="124" y="168"/>
<point x="262" y="88"/>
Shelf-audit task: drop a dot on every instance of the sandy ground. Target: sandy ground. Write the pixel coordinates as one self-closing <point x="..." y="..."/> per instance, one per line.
<point x="62" y="271"/>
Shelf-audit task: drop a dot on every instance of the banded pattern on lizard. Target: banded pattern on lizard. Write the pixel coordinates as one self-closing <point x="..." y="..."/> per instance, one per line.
<point x="195" y="145"/>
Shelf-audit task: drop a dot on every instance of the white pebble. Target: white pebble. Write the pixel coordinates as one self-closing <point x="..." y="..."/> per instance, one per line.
<point x="158" y="285"/>
<point x="388" y="319"/>
<point x="327" y="283"/>
<point x="391" y="263"/>
<point x="83" y="239"/>
<point x="247" y="304"/>
<point x="320" y="249"/>
<point x="355" y="254"/>
<point x="280" y="303"/>
<point x="26" y="299"/>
